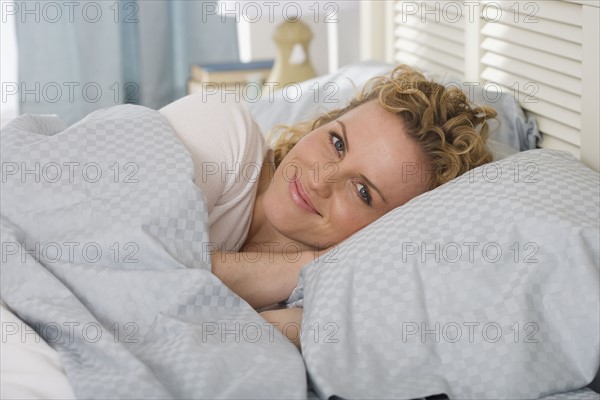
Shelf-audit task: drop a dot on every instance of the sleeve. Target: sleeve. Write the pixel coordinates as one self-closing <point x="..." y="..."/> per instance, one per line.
<point x="227" y="148"/>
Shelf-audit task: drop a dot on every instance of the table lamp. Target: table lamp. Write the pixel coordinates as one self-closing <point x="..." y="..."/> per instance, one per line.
<point x="292" y="63"/>
<point x="292" y="36"/>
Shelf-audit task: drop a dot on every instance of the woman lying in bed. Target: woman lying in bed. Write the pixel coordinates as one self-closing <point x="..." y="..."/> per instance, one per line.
<point x="273" y="211"/>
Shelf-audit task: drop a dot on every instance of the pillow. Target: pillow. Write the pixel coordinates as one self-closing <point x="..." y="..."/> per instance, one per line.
<point x="297" y="102"/>
<point x="301" y="101"/>
<point x="511" y="127"/>
<point x="484" y="288"/>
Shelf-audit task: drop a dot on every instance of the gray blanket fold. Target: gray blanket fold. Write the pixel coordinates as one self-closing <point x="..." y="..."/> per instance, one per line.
<point x="103" y="232"/>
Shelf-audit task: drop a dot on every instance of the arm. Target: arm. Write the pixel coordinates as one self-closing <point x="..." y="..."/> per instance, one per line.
<point x="260" y="278"/>
<point x="288" y="321"/>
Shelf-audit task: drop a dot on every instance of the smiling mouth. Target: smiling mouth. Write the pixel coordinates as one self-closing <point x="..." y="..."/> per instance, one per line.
<point x="300" y="198"/>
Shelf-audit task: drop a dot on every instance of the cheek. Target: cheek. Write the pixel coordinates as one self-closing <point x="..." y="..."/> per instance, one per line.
<point x="349" y="218"/>
<point x="274" y="195"/>
<point x="274" y="205"/>
<point x="309" y="147"/>
<point x="277" y="203"/>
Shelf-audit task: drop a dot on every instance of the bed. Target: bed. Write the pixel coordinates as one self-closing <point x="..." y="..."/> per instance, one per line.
<point x="516" y="320"/>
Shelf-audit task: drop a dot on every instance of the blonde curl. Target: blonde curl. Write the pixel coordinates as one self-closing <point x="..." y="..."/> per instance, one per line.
<point x="450" y="131"/>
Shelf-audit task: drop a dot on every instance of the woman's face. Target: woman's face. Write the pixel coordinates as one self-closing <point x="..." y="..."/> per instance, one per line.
<point x="343" y="176"/>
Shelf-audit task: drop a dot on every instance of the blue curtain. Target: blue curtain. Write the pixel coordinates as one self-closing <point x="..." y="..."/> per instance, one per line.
<point x="76" y="57"/>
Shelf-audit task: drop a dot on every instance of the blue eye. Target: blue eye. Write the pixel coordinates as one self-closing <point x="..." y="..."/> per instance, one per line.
<point x="337" y="142"/>
<point x="340" y="147"/>
<point x="363" y="193"/>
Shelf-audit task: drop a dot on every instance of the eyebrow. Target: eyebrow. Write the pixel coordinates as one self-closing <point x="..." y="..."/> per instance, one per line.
<point x="361" y="175"/>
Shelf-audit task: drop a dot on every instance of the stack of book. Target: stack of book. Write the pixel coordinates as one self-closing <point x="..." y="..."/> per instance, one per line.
<point x="228" y="76"/>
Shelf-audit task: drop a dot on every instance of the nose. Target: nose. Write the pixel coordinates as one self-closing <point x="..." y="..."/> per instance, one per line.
<point x="322" y="179"/>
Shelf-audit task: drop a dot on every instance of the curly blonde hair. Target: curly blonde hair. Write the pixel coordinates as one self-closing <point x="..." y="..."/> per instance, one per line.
<point x="450" y="131"/>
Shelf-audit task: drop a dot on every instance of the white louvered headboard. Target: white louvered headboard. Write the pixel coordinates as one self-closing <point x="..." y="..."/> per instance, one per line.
<point x="545" y="52"/>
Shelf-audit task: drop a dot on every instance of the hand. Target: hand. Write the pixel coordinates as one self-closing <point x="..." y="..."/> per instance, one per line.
<point x="290" y="318"/>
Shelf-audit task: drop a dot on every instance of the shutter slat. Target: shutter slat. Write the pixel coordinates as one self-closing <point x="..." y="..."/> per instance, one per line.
<point x="555" y="113"/>
<point x="530" y="11"/>
<point x="416" y="47"/>
<point x="424" y="37"/>
<point x="430" y="36"/>
<point x="454" y="33"/>
<point x="551" y="142"/>
<point x="536" y="74"/>
<point x="535" y="57"/>
<point x="556" y="129"/>
<point x="532" y="91"/>
<point x="532" y="39"/>
<point x="544" y="27"/>
<point x="449" y="12"/>
<point x="425" y="64"/>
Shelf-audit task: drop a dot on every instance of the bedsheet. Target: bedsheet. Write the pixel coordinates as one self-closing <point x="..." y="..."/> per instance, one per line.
<point x="105" y="254"/>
